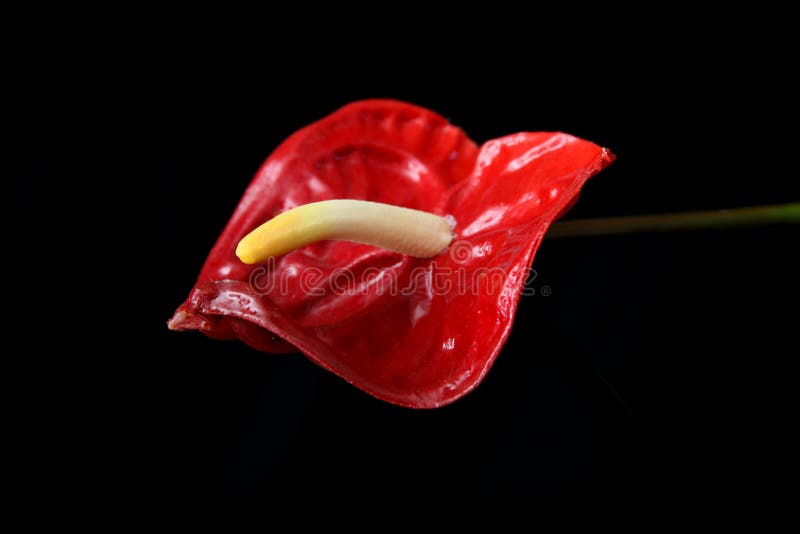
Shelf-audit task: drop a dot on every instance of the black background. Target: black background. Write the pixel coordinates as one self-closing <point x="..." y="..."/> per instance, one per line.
<point x="645" y="369"/>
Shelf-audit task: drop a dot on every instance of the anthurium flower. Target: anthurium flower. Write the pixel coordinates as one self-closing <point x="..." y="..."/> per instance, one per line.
<point x="415" y="331"/>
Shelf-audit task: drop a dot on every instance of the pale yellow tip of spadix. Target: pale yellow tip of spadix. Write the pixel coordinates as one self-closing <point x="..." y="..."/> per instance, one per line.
<point x="282" y="234"/>
<point x="246" y="252"/>
<point x="412" y="232"/>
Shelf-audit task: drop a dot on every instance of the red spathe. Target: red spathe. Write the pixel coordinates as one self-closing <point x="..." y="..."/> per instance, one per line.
<point x="415" y="332"/>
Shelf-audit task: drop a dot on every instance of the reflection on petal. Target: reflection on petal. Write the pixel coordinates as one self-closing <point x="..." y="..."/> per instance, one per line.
<point x="489" y="218"/>
<point x="554" y="143"/>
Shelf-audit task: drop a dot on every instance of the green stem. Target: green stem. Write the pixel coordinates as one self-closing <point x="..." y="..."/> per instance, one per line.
<point x="693" y="220"/>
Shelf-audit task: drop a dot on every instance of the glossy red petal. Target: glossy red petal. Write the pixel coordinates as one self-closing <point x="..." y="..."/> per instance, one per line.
<point x="414" y="332"/>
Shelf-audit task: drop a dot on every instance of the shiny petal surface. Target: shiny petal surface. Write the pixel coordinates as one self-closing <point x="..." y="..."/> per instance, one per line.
<point x="415" y="332"/>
